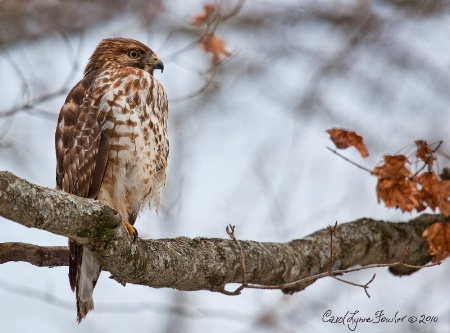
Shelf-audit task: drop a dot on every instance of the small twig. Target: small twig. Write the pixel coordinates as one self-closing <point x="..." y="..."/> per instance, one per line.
<point x="364" y="286"/>
<point x="31" y="104"/>
<point x="173" y="55"/>
<point x="331" y="230"/>
<point x="230" y="231"/>
<point x="437" y="147"/>
<point x="20" y="74"/>
<point x="233" y="12"/>
<point x="338" y="272"/>
<point x="222" y="290"/>
<point x="330" y="270"/>
<point x="349" y="160"/>
<point x="241" y="252"/>
<point x="425" y="163"/>
<point x="208" y="81"/>
<point x="331" y="273"/>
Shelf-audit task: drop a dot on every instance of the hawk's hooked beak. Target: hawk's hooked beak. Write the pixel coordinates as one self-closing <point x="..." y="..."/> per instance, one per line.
<point x="154" y="63"/>
<point x="159" y="65"/>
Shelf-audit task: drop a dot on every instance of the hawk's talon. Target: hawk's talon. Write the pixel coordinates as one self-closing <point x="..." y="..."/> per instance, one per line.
<point x="131" y="230"/>
<point x="135" y="234"/>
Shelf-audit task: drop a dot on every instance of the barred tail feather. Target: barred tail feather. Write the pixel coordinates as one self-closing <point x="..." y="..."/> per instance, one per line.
<point x="84" y="270"/>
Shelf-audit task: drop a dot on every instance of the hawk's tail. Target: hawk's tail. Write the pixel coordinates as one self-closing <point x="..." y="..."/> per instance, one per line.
<point x="84" y="270"/>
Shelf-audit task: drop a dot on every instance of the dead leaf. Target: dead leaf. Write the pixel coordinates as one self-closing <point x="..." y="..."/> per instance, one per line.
<point x="435" y="193"/>
<point x="399" y="193"/>
<point x="344" y="139"/>
<point x="202" y="18"/>
<point x="393" y="167"/>
<point x="395" y="186"/>
<point x="425" y="152"/>
<point x="430" y="189"/>
<point x="438" y="238"/>
<point x="215" y="45"/>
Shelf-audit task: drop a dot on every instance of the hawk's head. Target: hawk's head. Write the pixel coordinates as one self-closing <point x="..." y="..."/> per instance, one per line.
<point x="123" y="52"/>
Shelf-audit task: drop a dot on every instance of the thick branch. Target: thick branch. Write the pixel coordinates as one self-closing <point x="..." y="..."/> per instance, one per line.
<point x="42" y="256"/>
<point x="202" y="263"/>
<point x="58" y="212"/>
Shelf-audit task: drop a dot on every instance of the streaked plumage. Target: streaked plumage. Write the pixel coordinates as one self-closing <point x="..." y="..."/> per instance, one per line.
<point x="112" y="144"/>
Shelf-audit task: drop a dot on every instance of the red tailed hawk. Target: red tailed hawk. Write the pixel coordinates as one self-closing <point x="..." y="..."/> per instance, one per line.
<point x="112" y="144"/>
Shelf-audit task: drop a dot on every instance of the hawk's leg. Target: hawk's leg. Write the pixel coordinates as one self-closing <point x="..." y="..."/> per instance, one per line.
<point x="131" y="230"/>
<point x="129" y="224"/>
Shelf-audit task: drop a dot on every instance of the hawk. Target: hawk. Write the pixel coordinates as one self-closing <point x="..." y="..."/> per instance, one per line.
<point x="112" y="145"/>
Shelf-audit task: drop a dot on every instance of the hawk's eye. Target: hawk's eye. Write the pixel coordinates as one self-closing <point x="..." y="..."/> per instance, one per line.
<point x="133" y="54"/>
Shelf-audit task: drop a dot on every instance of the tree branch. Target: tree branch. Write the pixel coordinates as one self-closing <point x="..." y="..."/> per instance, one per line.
<point x="206" y="263"/>
<point x="42" y="256"/>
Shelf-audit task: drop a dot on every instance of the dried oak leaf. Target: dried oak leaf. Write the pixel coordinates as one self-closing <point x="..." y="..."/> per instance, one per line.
<point x="393" y="167"/>
<point x="395" y="185"/>
<point x="435" y="193"/>
<point x="202" y="18"/>
<point x="215" y="45"/>
<point x="425" y="152"/>
<point x="438" y="237"/>
<point x="430" y="189"/>
<point x="344" y="139"/>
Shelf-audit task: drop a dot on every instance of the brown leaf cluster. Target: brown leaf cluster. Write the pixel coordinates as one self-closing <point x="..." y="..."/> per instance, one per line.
<point x="344" y="139"/>
<point x="435" y="192"/>
<point x="396" y="186"/>
<point x="425" y="152"/>
<point x="210" y="42"/>
<point x="438" y="237"/>
<point x="399" y="187"/>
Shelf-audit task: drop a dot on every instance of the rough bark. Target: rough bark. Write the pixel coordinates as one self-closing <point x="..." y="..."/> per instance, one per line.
<point x="42" y="256"/>
<point x="205" y="263"/>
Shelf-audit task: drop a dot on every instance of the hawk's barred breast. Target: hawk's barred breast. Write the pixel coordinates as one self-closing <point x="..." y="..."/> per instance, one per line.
<point x="135" y="107"/>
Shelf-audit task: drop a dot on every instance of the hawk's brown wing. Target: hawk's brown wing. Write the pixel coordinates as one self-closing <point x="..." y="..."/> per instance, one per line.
<point x="82" y="146"/>
<point x="82" y="150"/>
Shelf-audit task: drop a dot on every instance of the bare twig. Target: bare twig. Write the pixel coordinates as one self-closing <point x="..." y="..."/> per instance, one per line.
<point x="331" y="231"/>
<point x="425" y="164"/>
<point x="208" y="81"/>
<point x="30" y="105"/>
<point x="339" y="272"/>
<point x="349" y="160"/>
<point x="230" y="231"/>
<point x="331" y="273"/>
<point x="233" y="12"/>
<point x="364" y="286"/>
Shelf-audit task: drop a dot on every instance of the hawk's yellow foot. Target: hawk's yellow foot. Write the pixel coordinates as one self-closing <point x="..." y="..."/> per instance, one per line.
<point x="131" y="230"/>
